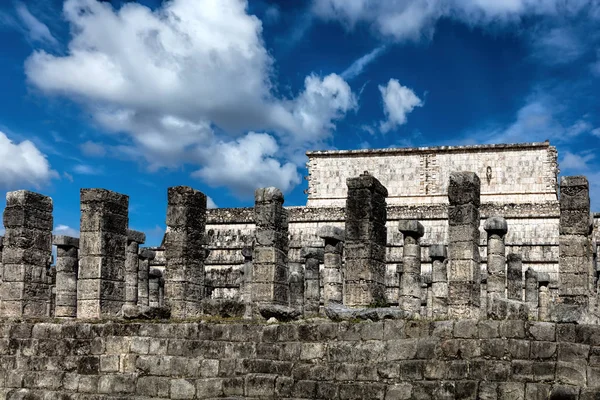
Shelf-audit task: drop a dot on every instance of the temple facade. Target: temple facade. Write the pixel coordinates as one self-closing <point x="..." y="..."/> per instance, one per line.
<point x="519" y="182"/>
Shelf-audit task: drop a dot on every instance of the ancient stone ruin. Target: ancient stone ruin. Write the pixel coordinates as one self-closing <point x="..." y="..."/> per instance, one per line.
<point x="465" y="272"/>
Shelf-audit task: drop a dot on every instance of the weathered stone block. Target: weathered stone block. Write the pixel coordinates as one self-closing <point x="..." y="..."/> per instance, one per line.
<point x="464" y="188"/>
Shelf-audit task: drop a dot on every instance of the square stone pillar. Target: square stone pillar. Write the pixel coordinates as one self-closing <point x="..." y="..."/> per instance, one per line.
<point x="463" y="245"/>
<point x="184" y="251"/>
<point x="270" y="274"/>
<point x="145" y="256"/>
<point x="514" y="276"/>
<point x="366" y="238"/>
<point x="575" y="263"/>
<point x="67" y="266"/>
<point x="132" y="259"/>
<point x="410" y="282"/>
<point x="26" y="255"/>
<point x="101" y="276"/>
<point x="246" y="283"/>
<point x="333" y="282"/>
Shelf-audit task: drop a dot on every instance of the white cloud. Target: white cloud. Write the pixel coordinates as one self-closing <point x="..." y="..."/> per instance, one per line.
<point x="92" y="149"/>
<point x="23" y="165"/>
<point x="83" y="169"/>
<point x="595" y="132"/>
<point x="246" y="164"/>
<point x="65" y="230"/>
<point x="398" y="101"/>
<point x="571" y="161"/>
<point x="322" y="102"/>
<point x="358" y="66"/>
<point x="183" y="78"/>
<point x="413" y="20"/>
<point x="563" y="40"/>
<point x="37" y="30"/>
<point x="538" y="120"/>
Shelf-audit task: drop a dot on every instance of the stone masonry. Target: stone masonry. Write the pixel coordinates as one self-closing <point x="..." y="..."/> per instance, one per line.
<point x="26" y="254"/>
<point x="463" y="245"/>
<point x="465" y="359"/>
<point x="184" y="244"/>
<point x="366" y="236"/>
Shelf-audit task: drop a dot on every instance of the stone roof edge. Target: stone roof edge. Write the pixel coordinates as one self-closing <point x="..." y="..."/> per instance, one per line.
<point x="400" y="150"/>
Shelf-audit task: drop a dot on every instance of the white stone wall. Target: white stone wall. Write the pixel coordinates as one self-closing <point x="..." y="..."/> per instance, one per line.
<point x="523" y="173"/>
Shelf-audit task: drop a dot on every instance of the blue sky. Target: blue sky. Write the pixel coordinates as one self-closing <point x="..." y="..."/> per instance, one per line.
<point x="227" y="95"/>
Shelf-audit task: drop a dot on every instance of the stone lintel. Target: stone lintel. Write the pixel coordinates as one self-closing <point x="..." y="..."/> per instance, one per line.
<point x="496" y="225"/>
<point x="334" y="233"/>
<point x="438" y="252"/>
<point x="136" y="236"/>
<point x="66" y="241"/>
<point x="411" y="227"/>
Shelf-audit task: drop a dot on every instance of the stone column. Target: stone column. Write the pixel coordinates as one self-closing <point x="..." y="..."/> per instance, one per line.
<point x="101" y="279"/>
<point x="463" y="245"/>
<point x="531" y="291"/>
<point x="366" y="238"/>
<point x="439" y="280"/>
<point x="313" y="257"/>
<point x="269" y="262"/>
<point x="426" y="296"/>
<point x="410" y="282"/>
<point x="333" y="282"/>
<point x="154" y="277"/>
<point x="514" y="277"/>
<point x="67" y="265"/>
<point x="496" y="228"/>
<point x="184" y="251"/>
<point x="246" y="282"/>
<point x="145" y="256"/>
<point x="134" y="239"/>
<point x="575" y="266"/>
<point x="543" y="297"/>
<point x="26" y="256"/>
<point x="296" y="279"/>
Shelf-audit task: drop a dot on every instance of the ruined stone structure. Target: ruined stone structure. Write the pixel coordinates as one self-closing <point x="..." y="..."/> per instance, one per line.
<point x="459" y="306"/>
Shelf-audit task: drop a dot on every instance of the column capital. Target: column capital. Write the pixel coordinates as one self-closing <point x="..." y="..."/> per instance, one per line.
<point x="411" y="227"/>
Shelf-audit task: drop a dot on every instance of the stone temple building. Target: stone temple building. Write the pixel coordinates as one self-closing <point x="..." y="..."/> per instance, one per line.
<point x="430" y="273"/>
<point x="518" y="182"/>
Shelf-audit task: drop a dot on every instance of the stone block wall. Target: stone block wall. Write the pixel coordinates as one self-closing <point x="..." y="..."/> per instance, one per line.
<point x="515" y="173"/>
<point x="464" y="359"/>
